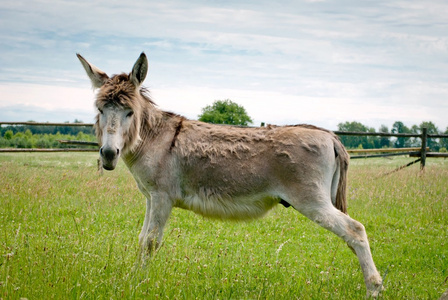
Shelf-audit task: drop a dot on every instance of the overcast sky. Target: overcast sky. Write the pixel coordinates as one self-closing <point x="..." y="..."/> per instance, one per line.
<point x="287" y="62"/>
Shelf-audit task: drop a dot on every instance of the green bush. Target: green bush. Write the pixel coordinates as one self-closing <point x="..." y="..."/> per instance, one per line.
<point x="8" y="134"/>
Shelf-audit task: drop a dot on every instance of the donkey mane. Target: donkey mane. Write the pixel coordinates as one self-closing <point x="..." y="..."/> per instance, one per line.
<point x="119" y="90"/>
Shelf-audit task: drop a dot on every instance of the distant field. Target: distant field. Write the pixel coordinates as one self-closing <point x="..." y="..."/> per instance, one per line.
<point x="68" y="233"/>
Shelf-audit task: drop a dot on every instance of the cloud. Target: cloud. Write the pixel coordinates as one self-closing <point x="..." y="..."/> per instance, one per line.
<point x="24" y="113"/>
<point x="22" y="102"/>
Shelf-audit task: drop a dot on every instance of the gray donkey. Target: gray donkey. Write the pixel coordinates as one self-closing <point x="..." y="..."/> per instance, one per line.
<point x="222" y="172"/>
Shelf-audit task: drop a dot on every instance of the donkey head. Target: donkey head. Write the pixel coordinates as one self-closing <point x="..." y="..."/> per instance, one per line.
<point x="119" y="109"/>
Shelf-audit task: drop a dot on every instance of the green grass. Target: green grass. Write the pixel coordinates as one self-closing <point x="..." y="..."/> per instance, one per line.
<point x="68" y="233"/>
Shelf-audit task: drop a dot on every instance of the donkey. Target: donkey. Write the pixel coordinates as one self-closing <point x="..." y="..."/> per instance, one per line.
<point x="222" y="172"/>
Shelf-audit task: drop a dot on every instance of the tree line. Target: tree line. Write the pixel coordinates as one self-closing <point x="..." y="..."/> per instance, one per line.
<point x="44" y="129"/>
<point x="44" y="141"/>
<point x="40" y="136"/>
<point x="374" y="142"/>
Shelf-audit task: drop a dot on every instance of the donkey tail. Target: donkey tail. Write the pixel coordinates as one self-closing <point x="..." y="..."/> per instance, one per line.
<point x="342" y="159"/>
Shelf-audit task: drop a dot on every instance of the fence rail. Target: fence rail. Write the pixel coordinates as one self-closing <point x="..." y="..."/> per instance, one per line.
<point x="430" y="154"/>
<point x="416" y="153"/>
<point x="385" y="150"/>
<point x="78" y="143"/>
<point x="46" y="124"/>
<point x="47" y="150"/>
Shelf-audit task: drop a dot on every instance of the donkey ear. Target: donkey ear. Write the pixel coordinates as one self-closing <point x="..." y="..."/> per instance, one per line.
<point x="139" y="70"/>
<point x="97" y="77"/>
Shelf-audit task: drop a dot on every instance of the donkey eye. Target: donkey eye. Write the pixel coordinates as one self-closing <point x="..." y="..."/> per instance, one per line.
<point x="129" y="114"/>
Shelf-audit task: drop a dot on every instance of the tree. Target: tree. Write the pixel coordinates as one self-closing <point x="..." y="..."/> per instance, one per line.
<point x="399" y="127"/>
<point x="353" y="141"/>
<point x="8" y="134"/>
<point x="384" y="141"/>
<point x="444" y="142"/>
<point x="225" y="112"/>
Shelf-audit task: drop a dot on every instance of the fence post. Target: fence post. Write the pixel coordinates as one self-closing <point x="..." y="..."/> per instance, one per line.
<point x="423" y="151"/>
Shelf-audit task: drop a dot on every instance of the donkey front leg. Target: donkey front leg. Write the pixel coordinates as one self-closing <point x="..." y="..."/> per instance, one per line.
<point x="158" y="209"/>
<point x="145" y="222"/>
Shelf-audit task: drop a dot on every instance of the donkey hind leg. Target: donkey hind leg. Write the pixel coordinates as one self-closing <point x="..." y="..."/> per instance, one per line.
<point x="353" y="233"/>
<point x="158" y="209"/>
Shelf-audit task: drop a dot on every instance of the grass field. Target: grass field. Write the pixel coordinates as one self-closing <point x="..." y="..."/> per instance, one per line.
<point x="68" y="233"/>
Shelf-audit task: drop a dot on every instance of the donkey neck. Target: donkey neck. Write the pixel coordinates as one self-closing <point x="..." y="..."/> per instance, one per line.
<point x="157" y="134"/>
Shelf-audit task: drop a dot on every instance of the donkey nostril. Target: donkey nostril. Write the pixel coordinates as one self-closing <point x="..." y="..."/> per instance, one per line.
<point x="109" y="154"/>
<point x="101" y="150"/>
<point x="118" y="151"/>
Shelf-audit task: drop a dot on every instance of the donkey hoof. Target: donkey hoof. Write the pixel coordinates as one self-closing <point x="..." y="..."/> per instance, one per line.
<point x="374" y="291"/>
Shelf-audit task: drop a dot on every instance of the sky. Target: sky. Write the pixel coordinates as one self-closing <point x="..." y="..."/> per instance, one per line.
<point x="286" y="62"/>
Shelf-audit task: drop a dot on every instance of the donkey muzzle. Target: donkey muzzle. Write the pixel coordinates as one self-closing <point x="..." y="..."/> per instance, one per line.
<point x="109" y="157"/>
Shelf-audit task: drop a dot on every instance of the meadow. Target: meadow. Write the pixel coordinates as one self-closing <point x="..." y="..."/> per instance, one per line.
<point x="67" y="232"/>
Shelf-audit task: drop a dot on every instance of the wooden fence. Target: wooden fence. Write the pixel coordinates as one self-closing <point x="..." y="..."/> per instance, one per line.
<point x="421" y="152"/>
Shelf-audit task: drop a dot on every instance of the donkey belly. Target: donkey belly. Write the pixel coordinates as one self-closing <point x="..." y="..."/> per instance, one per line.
<point x="211" y="205"/>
